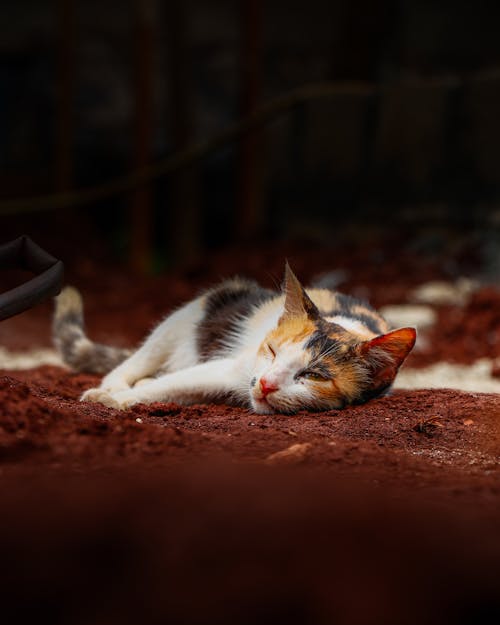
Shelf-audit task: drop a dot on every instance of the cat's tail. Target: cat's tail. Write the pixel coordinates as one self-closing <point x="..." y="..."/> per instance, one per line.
<point x="70" y="340"/>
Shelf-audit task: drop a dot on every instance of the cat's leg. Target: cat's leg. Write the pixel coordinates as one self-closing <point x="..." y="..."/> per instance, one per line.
<point x="176" y="333"/>
<point x="209" y="380"/>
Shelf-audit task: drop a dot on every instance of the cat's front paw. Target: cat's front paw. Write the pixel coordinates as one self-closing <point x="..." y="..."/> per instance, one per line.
<point x="113" y="384"/>
<point x="100" y="396"/>
<point x="126" y="399"/>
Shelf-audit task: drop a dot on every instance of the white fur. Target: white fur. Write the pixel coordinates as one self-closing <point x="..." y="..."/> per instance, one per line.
<point x="351" y="325"/>
<point x="169" y="347"/>
<point x="208" y="380"/>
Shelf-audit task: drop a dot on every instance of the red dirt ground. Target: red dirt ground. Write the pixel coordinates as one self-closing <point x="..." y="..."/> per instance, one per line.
<point x="382" y="513"/>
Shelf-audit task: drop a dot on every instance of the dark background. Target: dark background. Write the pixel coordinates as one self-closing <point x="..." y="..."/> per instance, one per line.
<point x="91" y="91"/>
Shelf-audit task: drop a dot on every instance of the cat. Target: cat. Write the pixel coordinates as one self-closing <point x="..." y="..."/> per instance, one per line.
<point x="242" y="344"/>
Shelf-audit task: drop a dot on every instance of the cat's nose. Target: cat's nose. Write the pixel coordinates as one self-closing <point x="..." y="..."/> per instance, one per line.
<point x="267" y="387"/>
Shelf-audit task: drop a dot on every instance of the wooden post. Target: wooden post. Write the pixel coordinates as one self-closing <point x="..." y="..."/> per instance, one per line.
<point x="63" y="175"/>
<point x="185" y="220"/>
<point x="249" y="199"/>
<point x="141" y="204"/>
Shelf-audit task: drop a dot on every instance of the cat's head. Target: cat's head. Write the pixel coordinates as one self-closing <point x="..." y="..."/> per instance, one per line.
<point x="307" y="362"/>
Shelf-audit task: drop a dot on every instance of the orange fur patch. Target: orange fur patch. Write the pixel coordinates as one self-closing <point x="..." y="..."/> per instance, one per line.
<point x="326" y="390"/>
<point x="344" y="385"/>
<point x="291" y="330"/>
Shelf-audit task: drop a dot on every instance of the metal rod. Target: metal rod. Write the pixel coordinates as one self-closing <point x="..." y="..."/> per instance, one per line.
<point x="141" y="202"/>
<point x="249" y="200"/>
<point x="64" y="161"/>
<point x="184" y="219"/>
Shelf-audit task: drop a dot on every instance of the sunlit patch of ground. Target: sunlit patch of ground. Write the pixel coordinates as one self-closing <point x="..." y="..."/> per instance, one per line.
<point x="28" y="359"/>
<point x="474" y="378"/>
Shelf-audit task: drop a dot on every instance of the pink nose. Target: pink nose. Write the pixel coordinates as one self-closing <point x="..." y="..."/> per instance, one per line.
<point x="267" y="387"/>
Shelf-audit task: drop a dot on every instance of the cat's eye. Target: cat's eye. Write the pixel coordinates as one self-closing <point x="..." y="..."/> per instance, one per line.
<point x="314" y="376"/>
<point x="271" y="350"/>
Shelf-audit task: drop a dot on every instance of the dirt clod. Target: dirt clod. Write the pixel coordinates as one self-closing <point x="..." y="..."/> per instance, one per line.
<point x="293" y="454"/>
<point x="429" y="425"/>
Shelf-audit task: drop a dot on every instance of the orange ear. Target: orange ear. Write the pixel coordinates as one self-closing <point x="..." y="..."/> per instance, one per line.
<point x="386" y="353"/>
<point x="396" y="344"/>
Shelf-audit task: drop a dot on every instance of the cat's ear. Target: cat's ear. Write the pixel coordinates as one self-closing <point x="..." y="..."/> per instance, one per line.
<point x="384" y="355"/>
<point x="297" y="302"/>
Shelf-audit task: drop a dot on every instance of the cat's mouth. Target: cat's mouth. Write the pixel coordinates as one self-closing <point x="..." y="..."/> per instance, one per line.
<point x="262" y="405"/>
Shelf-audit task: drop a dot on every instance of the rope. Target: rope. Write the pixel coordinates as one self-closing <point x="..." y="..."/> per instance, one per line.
<point x="128" y="182"/>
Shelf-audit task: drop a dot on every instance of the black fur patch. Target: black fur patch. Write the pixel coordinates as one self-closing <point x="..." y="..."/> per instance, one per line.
<point x="345" y="307"/>
<point x="225" y="308"/>
<point x="372" y="393"/>
<point x="320" y="343"/>
<point x="318" y="367"/>
<point x="372" y="324"/>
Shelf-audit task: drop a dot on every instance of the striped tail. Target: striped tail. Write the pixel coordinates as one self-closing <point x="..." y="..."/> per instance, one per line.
<point x="71" y="342"/>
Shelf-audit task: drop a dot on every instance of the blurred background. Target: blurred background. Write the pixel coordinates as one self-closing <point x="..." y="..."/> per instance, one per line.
<point x="151" y="133"/>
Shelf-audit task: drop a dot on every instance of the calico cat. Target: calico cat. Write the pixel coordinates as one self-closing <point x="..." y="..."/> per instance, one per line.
<point x="311" y="349"/>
